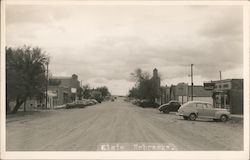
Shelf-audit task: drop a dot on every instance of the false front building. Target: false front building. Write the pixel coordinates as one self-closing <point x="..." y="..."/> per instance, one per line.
<point x="62" y="90"/>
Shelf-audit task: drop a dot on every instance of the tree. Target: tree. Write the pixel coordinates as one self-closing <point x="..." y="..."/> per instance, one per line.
<point x="79" y="93"/>
<point x="26" y="74"/>
<point x="86" y="91"/>
<point x="104" y="90"/>
<point x="145" y="88"/>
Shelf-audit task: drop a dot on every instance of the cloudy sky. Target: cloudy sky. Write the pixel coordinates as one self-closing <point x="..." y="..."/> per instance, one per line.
<point x="104" y="44"/>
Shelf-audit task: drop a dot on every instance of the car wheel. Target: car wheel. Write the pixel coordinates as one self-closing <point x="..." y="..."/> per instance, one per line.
<point x="166" y="111"/>
<point x="192" y="117"/>
<point x="223" y="118"/>
<point x="185" y="117"/>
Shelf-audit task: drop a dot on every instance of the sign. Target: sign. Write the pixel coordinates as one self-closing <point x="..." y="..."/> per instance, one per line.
<point x="209" y="85"/>
<point x="52" y="93"/>
<point x="73" y="90"/>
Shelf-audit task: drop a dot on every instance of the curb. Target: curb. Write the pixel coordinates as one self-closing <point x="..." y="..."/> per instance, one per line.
<point x="237" y="119"/>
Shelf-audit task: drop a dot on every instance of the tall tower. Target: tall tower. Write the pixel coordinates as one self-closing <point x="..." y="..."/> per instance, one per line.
<point x="155" y="73"/>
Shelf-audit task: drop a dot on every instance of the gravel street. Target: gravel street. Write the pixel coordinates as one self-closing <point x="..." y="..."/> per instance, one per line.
<point x="117" y="122"/>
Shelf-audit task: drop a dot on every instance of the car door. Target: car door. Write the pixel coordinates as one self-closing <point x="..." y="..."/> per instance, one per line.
<point x="200" y="109"/>
<point x="170" y="106"/>
<point x="175" y="106"/>
<point x="209" y="109"/>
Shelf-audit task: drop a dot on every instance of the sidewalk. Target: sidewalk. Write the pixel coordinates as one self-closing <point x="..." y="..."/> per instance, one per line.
<point x="237" y="117"/>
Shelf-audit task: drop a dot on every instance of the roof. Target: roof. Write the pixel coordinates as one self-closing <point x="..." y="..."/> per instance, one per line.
<point x="61" y="78"/>
<point x="198" y="102"/>
<point x="226" y="80"/>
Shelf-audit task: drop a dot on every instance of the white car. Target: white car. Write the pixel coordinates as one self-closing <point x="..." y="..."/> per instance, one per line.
<point x="199" y="109"/>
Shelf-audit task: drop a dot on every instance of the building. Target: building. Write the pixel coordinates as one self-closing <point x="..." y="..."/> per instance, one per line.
<point x="182" y="93"/>
<point x="62" y="90"/>
<point x="227" y="94"/>
<point x="156" y="81"/>
<point x="165" y="94"/>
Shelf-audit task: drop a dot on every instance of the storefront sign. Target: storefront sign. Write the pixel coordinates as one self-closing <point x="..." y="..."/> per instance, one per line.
<point x="209" y="86"/>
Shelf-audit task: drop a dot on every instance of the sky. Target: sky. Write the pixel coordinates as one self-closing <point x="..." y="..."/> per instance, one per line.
<point x="103" y="44"/>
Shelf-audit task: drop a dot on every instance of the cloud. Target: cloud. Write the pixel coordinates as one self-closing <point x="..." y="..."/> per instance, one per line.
<point x="17" y="14"/>
<point x="104" y="44"/>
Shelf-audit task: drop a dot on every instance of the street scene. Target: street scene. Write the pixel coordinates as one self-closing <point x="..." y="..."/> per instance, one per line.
<point x="118" y="122"/>
<point x="124" y="78"/>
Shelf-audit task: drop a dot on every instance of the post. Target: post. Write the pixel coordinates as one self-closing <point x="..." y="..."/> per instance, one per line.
<point x="221" y="104"/>
<point x="220" y="75"/>
<point x="24" y="106"/>
<point x="192" y="84"/>
<point x="47" y="83"/>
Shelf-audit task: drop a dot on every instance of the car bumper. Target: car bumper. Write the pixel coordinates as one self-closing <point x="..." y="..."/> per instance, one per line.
<point x="179" y="114"/>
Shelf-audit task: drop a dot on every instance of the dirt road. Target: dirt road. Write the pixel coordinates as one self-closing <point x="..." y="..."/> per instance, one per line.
<point x="117" y="122"/>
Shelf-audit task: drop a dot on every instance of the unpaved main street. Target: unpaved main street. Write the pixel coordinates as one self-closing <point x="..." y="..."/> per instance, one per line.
<point x="117" y="122"/>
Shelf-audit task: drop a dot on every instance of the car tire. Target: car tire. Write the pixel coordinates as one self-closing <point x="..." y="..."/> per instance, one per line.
<point x="185" y="117"/>
<point x="223" y="118"/>
<point x="192" y="117"/>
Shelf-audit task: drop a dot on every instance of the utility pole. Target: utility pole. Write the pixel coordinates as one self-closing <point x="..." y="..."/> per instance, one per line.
<point x="47" y="83"/>
<point x="220" y="75"/>
<point x="192" y="84"/>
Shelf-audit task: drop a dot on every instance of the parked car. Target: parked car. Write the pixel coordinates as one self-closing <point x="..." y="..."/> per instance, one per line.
<point x="171" y="106"/>
<point x="199" y="109"/>
<point x="148" y="103"/>
<point x="76" y="104"/>
<point x="81" y="103"/>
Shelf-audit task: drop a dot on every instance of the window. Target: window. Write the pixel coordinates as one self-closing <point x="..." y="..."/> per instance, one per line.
<point x="208" y="106"/>
<point x="199" y="106"/>
<point x="225" y="85"/>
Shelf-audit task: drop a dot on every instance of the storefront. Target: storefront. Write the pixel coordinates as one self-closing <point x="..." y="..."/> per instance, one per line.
<point x="228" y="94"/>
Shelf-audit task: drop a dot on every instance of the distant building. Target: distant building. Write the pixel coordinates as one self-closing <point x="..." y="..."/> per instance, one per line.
<point x="228" y="93"/>
<point x="62" y="90"/>
<point x="182" y="93"/>
<point x="157" y="84"/>
<point x="165" y="94"/>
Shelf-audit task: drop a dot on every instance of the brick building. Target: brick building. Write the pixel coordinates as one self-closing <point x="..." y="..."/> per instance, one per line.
<point x="228" y="94"/>
<point x="182" y="93"/>
<point x="62" y="90"/>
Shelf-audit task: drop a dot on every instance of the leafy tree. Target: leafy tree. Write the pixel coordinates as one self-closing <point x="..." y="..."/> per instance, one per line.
<point x="86" y="91"/>
<point x="79" y="93"/>
<point x="145" y="88"/>
<point x="104" y="90"/>
<point x="26" y="74"/>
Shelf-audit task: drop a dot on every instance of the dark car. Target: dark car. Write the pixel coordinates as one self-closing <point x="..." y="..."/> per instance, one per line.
<point x="148" y="104"/>
<point x="171" y="106"/>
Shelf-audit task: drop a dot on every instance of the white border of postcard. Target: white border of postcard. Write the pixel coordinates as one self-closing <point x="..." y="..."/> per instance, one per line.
<point x="129" y="155"/>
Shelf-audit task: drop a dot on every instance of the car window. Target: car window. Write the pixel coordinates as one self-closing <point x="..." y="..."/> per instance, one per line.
<point x="199" y="106"/>
<point x="208" y="106"/>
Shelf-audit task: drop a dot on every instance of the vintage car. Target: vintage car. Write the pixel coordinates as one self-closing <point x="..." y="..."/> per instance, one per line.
<point x="171" y="106"/>
<point x="81" y="103"/>
<point x="199" y="109"/>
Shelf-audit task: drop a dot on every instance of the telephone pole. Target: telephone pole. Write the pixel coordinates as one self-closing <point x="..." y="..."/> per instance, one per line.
<point x="192" y="84"/>
<point x="220" y="75"/>
<point x="47" y="83"/>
